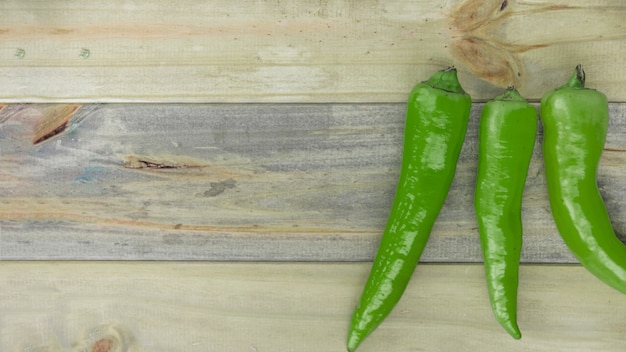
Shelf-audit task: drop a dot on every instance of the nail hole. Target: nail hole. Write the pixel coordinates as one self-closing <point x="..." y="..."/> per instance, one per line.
<point x="84" y="53"/>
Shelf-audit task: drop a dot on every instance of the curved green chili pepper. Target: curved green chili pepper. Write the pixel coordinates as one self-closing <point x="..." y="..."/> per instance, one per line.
<point x="575" y="121"/>
<point x="436" y="121"/>
<point x="508" y="128"/>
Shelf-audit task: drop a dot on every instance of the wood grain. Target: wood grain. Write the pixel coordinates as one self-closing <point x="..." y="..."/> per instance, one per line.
<point x="153" y="307"/>
<point x="299" y="51"/>
<point x="243" y="182"/>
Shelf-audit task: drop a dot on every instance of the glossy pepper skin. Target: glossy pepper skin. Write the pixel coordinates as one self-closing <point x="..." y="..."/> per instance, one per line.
<point x="575" y="121"/>
<point x="436" y="122"/>
<point x="507" y="133"/>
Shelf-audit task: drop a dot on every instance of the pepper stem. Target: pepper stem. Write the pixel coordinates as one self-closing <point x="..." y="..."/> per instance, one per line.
<point x="577" y="79"/>
<point x="445" y="80"/>
<point x="510" y="94"/>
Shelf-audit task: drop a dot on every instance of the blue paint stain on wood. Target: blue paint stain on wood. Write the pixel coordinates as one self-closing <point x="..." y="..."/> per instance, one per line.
<point x="92" y="174"/>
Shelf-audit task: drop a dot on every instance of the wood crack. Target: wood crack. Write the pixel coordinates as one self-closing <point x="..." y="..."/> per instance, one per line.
<point x="55" y="121"/>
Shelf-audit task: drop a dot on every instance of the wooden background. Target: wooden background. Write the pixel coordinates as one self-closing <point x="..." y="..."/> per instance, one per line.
<point x="215" y="176"/>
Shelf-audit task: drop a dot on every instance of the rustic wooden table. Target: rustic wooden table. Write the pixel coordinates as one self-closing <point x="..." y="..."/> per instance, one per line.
<point x="215" y="176"/>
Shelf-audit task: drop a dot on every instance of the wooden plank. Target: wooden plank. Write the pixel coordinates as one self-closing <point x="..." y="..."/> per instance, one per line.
<point x="298" y="51"/>
<point x="104" y="306"/>
<point x="242" y="182"/>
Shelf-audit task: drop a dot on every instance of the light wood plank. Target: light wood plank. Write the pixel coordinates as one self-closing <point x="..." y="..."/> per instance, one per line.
<point x="300" y="51"/>
<point x="152" y="307"/>
<point x="242" y="182"/>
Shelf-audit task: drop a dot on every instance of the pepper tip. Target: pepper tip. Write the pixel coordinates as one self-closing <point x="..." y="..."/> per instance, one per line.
<point x="512" y="328"/>
<point x="354" y="340"/>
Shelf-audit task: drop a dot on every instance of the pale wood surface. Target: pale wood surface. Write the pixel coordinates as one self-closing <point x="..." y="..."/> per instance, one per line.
<point x="301" y="51"/>
<point x="274" y="182"/>
<point x="153" y="307"/>
<point x="242" y="182"/>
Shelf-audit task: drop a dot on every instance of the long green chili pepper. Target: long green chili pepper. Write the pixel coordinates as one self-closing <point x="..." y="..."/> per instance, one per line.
<point x="575" y="121"/>
<point x="508" y="127"/>
<point x="436" y="122"/>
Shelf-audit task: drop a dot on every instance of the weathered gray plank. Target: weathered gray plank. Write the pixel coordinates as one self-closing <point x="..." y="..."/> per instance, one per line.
<point x="240" y="182"/>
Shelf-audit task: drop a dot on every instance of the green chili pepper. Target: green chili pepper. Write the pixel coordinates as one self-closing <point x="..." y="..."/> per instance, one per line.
<point x="436" y="121"/>
<point x="508" y="128"/>
<point x="575" y="121"/>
